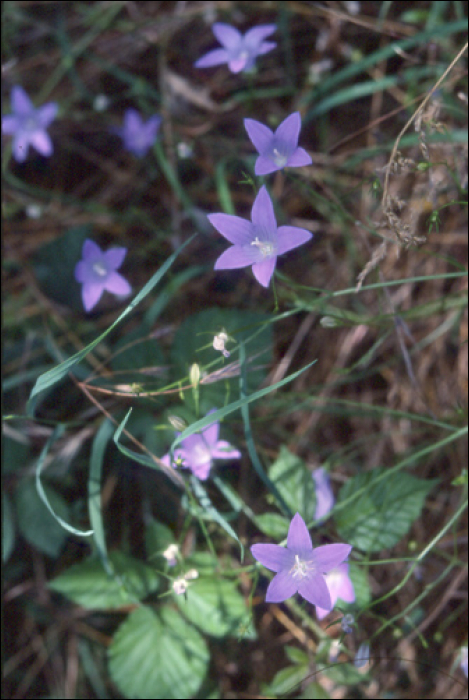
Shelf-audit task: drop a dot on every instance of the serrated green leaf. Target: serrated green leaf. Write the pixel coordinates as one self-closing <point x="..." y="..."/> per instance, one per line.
<point x="273" y="524"/>
<point x="295" y="483"/>
<point x="8" y="527"/>
<point x="35" y="522"/>
<point x="215" y="606"/>
<point x="155" y="656"/>
<point x="383" y="511"/>
<point x="88" y="584"/>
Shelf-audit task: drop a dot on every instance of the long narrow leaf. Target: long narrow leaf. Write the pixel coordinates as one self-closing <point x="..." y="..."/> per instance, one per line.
<point x="94" y="490"/>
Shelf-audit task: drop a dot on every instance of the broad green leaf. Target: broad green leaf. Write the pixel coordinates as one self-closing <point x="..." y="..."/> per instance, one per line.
<point x="295" y="483"/>
<point x="155" y="656"/>
<point x="88" y="584"/>
<point x="15" y="455"/>
<point x="273" y="524"/>
<point x="35" y="522"/>
<point x="383" y="511"/>
<point x="344" y="674"/>
<point x="157" y="538"/>
<point x="287" y="680"/>
<point x="361" y="585"/>
<point x="8" y="527"/>
<point x="216" y="607"/>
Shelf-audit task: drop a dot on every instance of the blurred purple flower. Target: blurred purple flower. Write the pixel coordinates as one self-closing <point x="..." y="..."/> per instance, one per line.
<point x="137" y="135"/>
<point x="198" y="450"/>
<point x="97" y="272"/>
<point x="279" y="150"/>
<point x="257" y="243"/>
<point x="28" y="125"/>
<point x="239" y="51"/>
<point x="463" y="659"/>
<point x="299" y="567"/>
<point x="324" y="497"/>
<point x="340" y="586"/>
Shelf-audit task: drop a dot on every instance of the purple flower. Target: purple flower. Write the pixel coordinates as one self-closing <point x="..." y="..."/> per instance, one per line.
<point x="28" y="125"/>
<point x="198" y="450"/>
<point x="97" y="272"/>
<point x="279" y="150"/>
<point x="239" y="51"/>
<point x="324" y="497"/>
<point x="138" y="136"/>
<point x="340" y="586"/>
<point x="257" y="243"/>
<point x="299" y="567"/>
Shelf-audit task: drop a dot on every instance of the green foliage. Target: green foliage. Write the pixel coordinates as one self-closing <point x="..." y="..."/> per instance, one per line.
<point x="87" y="583"/>
<point x="294" y="481"/>
<point x="157" y="655"/>
<point x="382" y="508"/>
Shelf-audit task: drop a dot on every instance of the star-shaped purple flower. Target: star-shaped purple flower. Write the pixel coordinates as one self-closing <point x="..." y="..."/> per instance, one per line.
<point x="280" y="149"/>
<point x="28" y="125"/>
<point x="198" y="450"/>
<point x="299" y="567"/>
<point x="340" y="586"/>
<point x="257" y="243"/>
<point x="138" y="136"/>
<point x="239" y="51"/>
<point x="97" y="272"/>
<point x="324" y="497"/>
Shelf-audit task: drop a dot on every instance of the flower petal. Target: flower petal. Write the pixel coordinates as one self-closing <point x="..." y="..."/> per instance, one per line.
<point x="264" y="270"/>
<point x="265" y="166"/>
<point x="286" y="135"/>
<point x="273" y="557"/>
<point x="329" y="556"/>
<point x="212" y="58"/>
<point x="210" y="434"/>
<point x="91" y="251"/>
<point x="282" y="586"/>
<point x="223" y="450"/>
<point x="201" y="471"/>
<point x="91" y="293"/>
<point x="263" y="216"/>
<point x="254" y="36"/>
<point x="47" y="113"/>
<point x="324" y="497"/>
<point x="265" y="47"/>
<point x="289" y="237"/>
<point x="10" y="124"/>
<point x="235" y="229"/>
<point x="298" y="159"/>
<point x="315" y="591"/>
<point x="236" y="257"/>
<point x="114" y="257"/>
<point x="41" y="142"/>
<point x="20" y="147"/>
<point x="227" y="35"/>
<point x="20" y="102"/>
<point x="261" y="136"/>
<point x="116" y="284"/>
<point x="299" y="539"/>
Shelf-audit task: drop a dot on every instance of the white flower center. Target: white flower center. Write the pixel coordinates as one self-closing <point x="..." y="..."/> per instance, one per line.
<point x="279" y="158"/>
<point x="266" y="248"/>
<point x="200" y="454"/>
<point x="301" y="568"/>
<point x="30" y="124"/>
<point x="100" y="269"/>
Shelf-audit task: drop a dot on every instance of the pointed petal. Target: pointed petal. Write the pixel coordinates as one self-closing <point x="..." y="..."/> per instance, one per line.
<point x="80" y="271"/>
<point x="10" y="124"/>
<point x="329" y="556"/>
<point x="340" y="585"/>
<point x="116" y="284"/>
<point x="265" y="165"/>
<point x="298" y="159"/>
<point x="91" y="251"/>
<point x="235" y="229"/>
<point x="263" y="216"/>
<point x="324" y="497"/>
<point x="282" y="587"/>
<point x="265" y="47"/>
<point x="114" y="257"/>
<point x="212" y="58"/>
<point x="299" y="540"/>
<point x="227" y="35"/>
<point x="236" y="257"/>
<point x="315" y="591"/>
<point x="210" y="434"/>
<point x="264" y="270"/>
<point x="239" y="63"/>
<point x="132" y="121"/>
<point x="223" y="450"/>
<point x="289" y="237"/>
<point x="273" y="557"/>
<point x="47" y="113"/>
<point x="261" y="136"/>
<point x="255" y="36"/>
<point x="20" y="102"/>
<point x="91" y="293"/>
<point x="20" y="147"/>
<point x="202" y="471"/>
<point x="41" y="142"/>
<point x="286" y="135"/>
